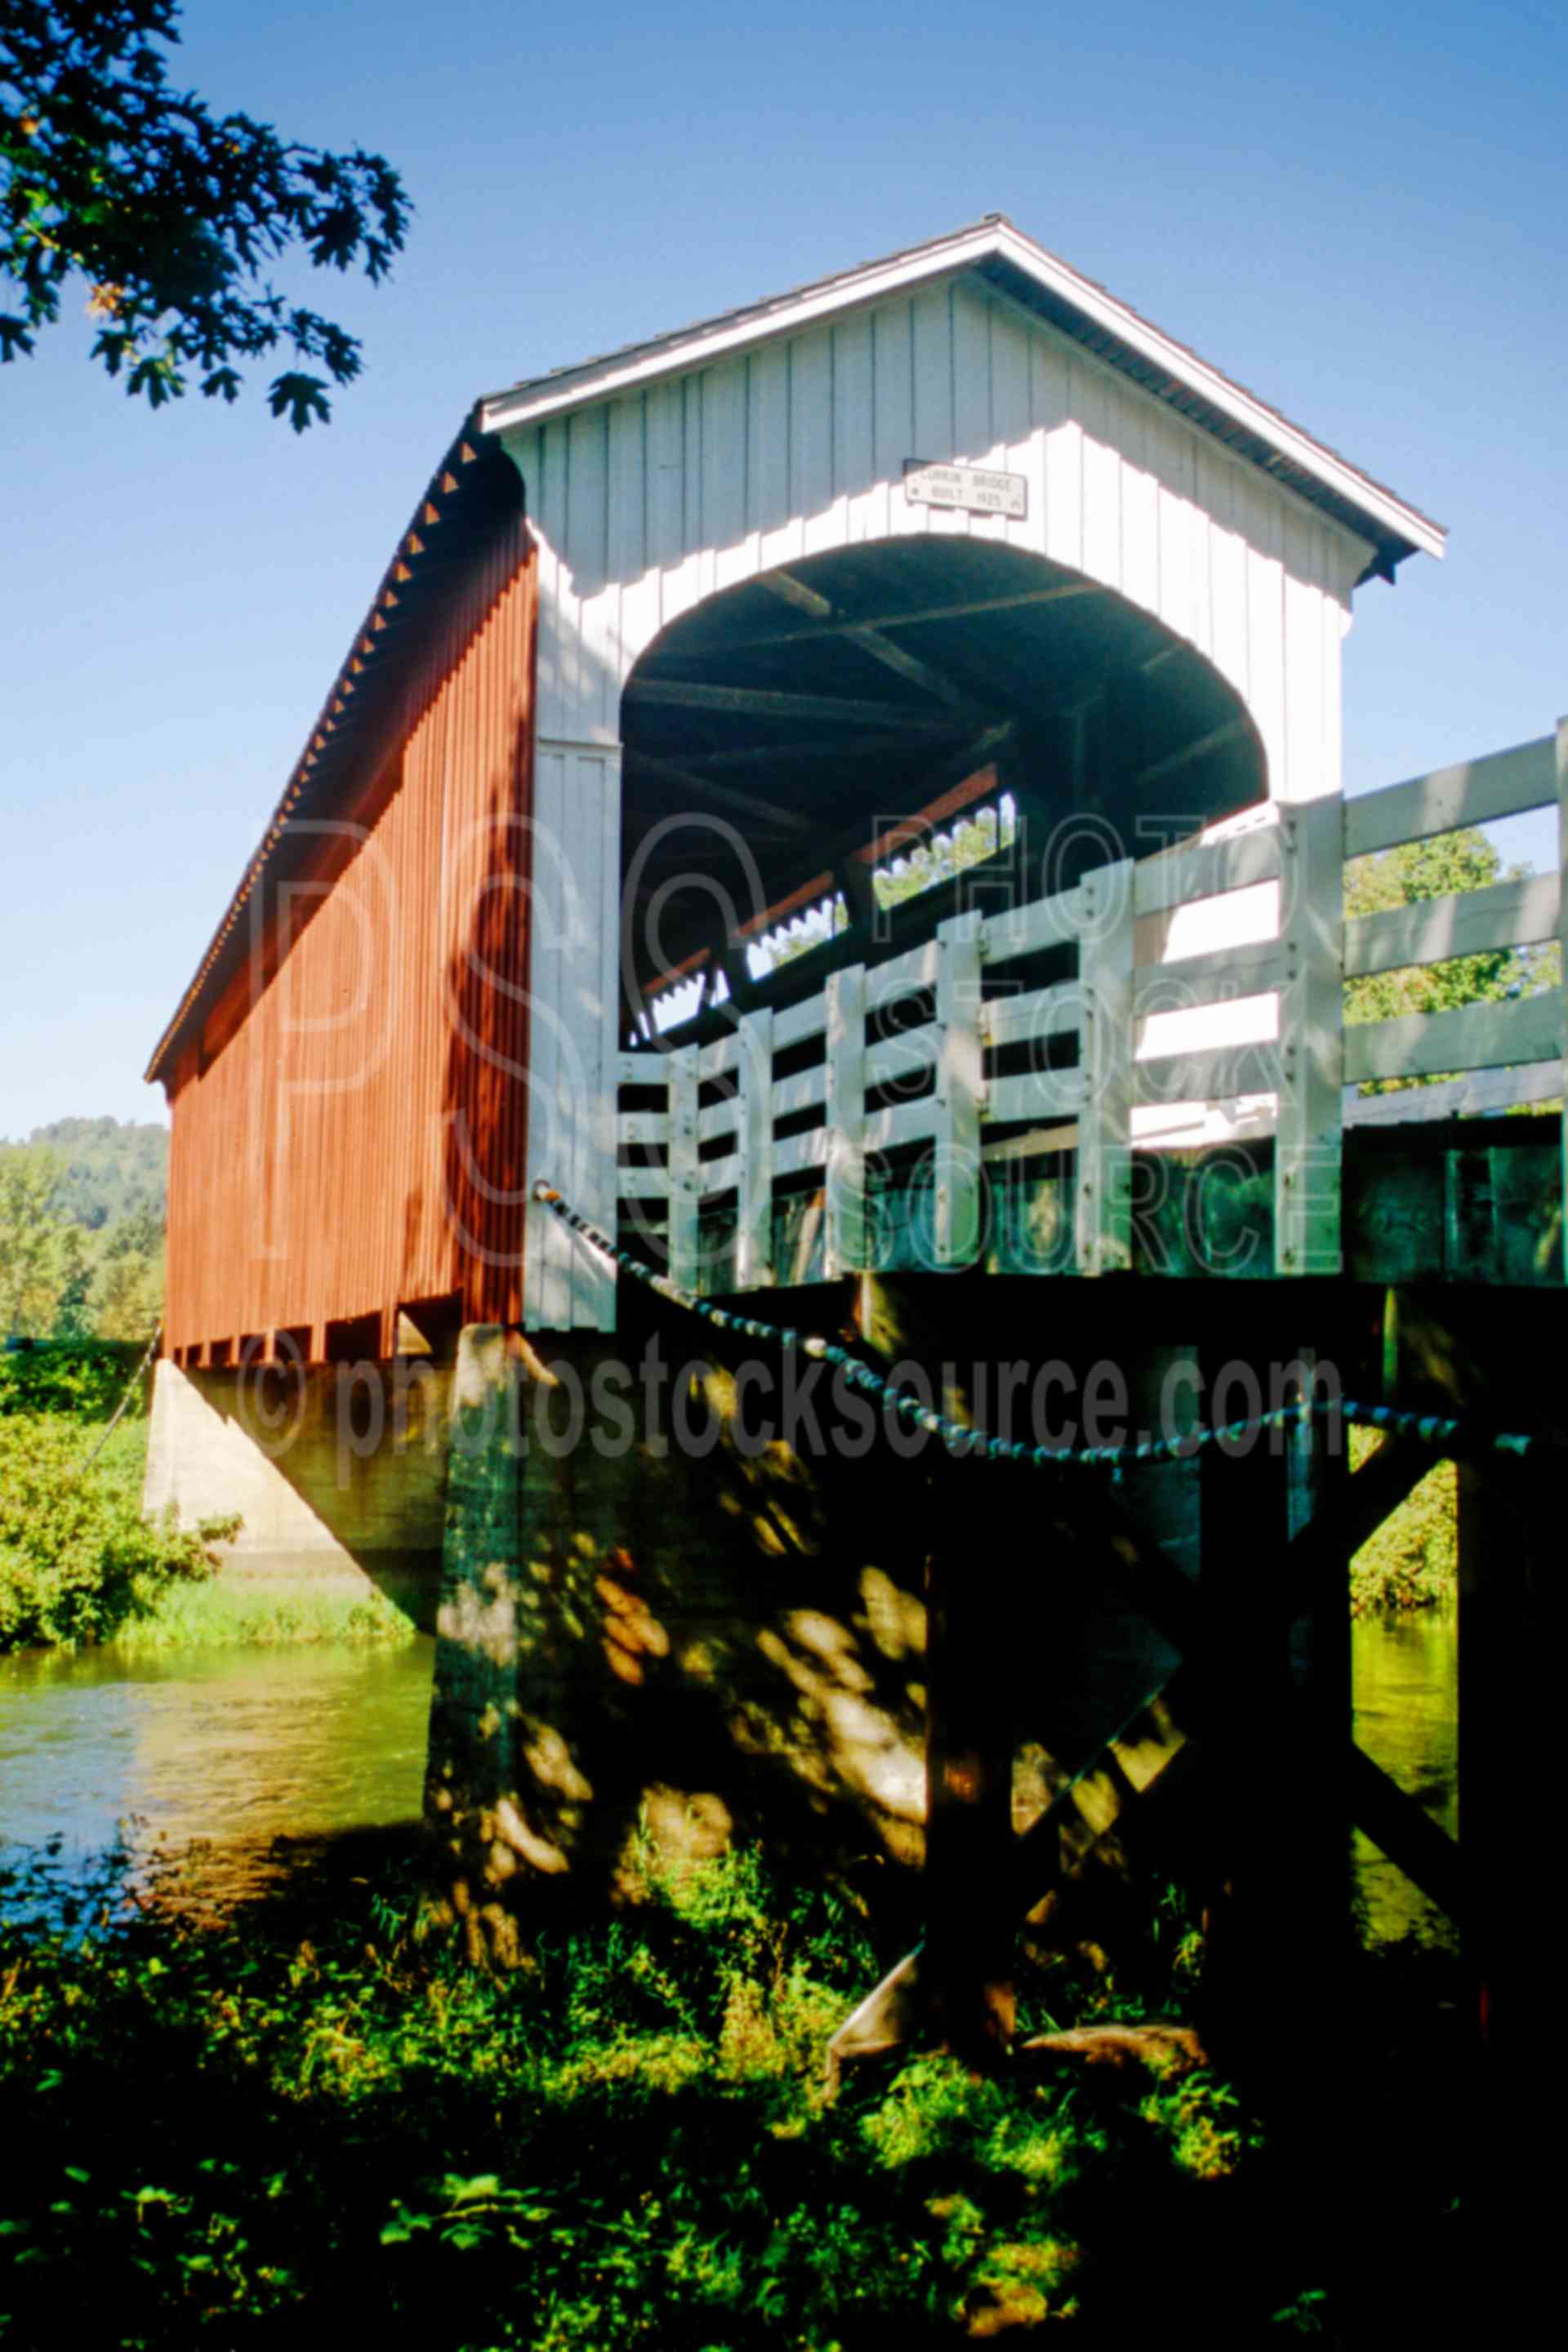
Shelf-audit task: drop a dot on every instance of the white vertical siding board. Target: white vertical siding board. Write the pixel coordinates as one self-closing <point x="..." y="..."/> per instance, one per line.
<point x="769" y="505"/>
<point x="1309" y="1135"/>
<point x="811" y="441"/>
<point x="973" y="436"/>
<point x="1226" y="567"/>
<point x="894" y="396"/>
<point x="1308" y="766"/>
<point x="547" y="1278"/>
<point x="579" y="1046"/>
<point x="665" y="462"/>
<point x="931" y="323"/>
<point x="845" y="1239"/>
<point x="854" y="427"/>
<point x="1171" y="463"/>
<point x="1019" y="449"/>
<point x="724" y="463"/>
<point x="606" y="1028"/>
<point x="754" y="1152"/>
<point x="634" y="604"/>
<point x="1102" y="476"/>
<point x="1010" y="421"/>
<point x="957" y="1174"/>
<point x="1334" y="620"/>
<point x="587" y="498"/>
<point x="1265" y="627"/>
<point x="1129" y="423"/>
<point x="683" y="1242"/>
<point x="1061" y="435"/>
<point x="1102" y="1234"/>
<point x="627" y="520"/>
<point x="557" y="595"/>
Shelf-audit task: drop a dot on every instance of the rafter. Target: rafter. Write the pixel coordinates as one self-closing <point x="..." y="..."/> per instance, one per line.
<point x="707" y="788"/>
<point x="781" y="755"/>
<point x="771" y="702"/>
<point x="1217" y="738"/>
<point x="842" y="626"/>
<point x="866" y="635"/>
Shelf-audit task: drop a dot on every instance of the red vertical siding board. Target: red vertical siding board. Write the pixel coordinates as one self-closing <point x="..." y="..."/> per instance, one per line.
<point x="314" y="1177"/>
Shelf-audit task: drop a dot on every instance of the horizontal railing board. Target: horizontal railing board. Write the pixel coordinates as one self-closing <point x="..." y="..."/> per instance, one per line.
<point x="1036" y="1094"/>
<point x="1163" y="1033"/>
<point x="1205" y="869"/>
<point x="907" y="1055"/>
<point x="1472" y="1037"/>
<point x="720" y="1057"/>
<point x="916" y="968"/>
<point x="1474" y="791"/>
<point x="719" y="1119"/>
<point x="1038" y="923"/>
<point x="642" y="1070"/>
<point x="796" y="1023"/>
<point x="642" y="1183"/>
<point x="1210" y="1073"/>
<point x="894" y="1126"/>
<point x="1474" y="1095"/>
<point x="799" y="1151"/>
<point x="1042" y="1013"/>
<point x="1471" y="922"/>
<point x="716" y="1176"/>
<point x="643" y="1126"/>
<point x="1211" y="978"/>
<point x="806" y="1090"/>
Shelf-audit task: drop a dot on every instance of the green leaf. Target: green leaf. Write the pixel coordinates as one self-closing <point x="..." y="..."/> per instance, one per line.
<point x="302" y="398"/>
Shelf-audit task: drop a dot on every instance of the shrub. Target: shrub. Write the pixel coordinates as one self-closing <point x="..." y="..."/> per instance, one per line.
<point x="77" y="1558"/>
<point x="87" y="1379"/>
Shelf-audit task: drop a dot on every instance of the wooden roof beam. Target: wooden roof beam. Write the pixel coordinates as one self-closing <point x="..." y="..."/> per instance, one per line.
<point x="844" y="626"/>
<point x="869" y="638"/>
<point x="769" y="702"/>
<point x="745" y="804"/>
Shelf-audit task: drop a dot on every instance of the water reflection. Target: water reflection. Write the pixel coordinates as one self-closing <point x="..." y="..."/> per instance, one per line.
<point x="233" y="1748"/>
<point x="1406" y="1712"/>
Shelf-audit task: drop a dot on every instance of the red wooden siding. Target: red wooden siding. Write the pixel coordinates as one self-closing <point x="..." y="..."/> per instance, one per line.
<point x="349" y="1135"/>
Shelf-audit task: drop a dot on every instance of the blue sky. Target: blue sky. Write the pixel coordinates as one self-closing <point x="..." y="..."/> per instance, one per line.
<point x="1361" y="212"/>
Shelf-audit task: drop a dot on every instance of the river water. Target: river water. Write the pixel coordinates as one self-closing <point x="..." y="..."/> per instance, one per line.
<point x="212" y="1771"/>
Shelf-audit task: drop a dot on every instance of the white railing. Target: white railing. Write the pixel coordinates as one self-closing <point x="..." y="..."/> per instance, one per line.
<point x="1206" y="1004"/>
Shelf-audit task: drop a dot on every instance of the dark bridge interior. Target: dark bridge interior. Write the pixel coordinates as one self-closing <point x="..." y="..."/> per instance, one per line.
<point x="805" y="713"/>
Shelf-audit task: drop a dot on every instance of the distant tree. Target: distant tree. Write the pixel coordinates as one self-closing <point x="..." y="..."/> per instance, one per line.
<point x="72" y="1267"/>
<point x="111" y="1169"/>
<point x="1436" y="868"/>
<point x="32" y="1240"/>
<point x="170" y="214"/>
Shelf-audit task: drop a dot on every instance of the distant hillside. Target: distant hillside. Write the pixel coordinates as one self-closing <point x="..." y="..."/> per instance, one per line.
<point x="112" y="1169"/>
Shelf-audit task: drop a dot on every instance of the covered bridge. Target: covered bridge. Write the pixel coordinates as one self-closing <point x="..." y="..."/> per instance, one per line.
<point x="844" y="800"/>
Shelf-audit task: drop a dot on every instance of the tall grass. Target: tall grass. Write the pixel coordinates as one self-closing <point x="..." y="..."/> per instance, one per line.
<point x="219" y="2137"/>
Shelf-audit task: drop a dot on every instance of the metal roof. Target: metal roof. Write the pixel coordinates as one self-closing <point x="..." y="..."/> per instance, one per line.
<point x="1013" y="264"/>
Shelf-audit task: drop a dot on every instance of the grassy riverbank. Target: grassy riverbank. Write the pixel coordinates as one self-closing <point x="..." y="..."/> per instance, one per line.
<point x="626" y="2142"/>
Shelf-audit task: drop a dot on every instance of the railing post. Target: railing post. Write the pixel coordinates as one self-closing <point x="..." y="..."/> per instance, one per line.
<point x="1309" y="1141"/>
<point x="754" y="1148"/>
<point x="1102" y="1222"/>
<point x="960" y="1092"/>
<point x="843" y="1248"/>
<point x="684" y="1264"/>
